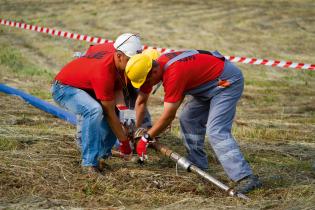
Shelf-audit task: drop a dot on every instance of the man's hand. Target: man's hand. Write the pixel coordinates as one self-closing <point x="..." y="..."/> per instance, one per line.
<point x="139" y="132"/>
<point x="125" y="148"/>
<point x="127" y="116"/>
<point x="142" y="145"/>
<point x="142" y="148"/>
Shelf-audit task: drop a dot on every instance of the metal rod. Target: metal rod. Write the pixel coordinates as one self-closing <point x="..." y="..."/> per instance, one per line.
<point x="187" y="165"/>
<point x="209" y="178"/>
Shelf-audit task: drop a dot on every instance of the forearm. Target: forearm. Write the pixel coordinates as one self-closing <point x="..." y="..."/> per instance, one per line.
<point x="140" y="112"/>
<point x="140" y="107"/>
<point x="119" y="98"/>
<point x="112" y="119"/>
<point x="116" y="127"/>
<point x="167" y="117"/>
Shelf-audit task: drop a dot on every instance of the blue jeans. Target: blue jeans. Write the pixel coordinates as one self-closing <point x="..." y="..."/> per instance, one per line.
<point x="97" y="138"/>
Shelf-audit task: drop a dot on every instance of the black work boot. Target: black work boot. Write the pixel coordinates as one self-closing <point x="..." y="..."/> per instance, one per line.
<point x="248" y="184"/>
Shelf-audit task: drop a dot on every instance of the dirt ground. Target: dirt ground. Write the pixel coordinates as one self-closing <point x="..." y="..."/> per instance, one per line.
<point x="275" y="122"/>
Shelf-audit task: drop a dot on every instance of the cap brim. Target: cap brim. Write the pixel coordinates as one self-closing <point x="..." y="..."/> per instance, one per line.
<point x="137" y="84"/>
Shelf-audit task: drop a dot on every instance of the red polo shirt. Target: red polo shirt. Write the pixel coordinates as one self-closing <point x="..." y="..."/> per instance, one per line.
<point x="188" y="73"/>
<point x="95" y="71"/>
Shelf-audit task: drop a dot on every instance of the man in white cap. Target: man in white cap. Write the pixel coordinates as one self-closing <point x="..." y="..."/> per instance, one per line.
<point x="91" y="87"/>
<point x="135" y="99"/>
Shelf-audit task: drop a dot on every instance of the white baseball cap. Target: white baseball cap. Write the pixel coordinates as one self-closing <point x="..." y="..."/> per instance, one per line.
<point x="129" y="44"/>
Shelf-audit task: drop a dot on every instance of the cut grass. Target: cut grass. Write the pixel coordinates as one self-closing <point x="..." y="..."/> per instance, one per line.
<point x="8" y="144"/>
<point x="19" y="64"/>
<point x="40" y="164"/>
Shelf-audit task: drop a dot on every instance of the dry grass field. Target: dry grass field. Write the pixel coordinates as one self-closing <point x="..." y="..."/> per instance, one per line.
<point x="275" y="122"/>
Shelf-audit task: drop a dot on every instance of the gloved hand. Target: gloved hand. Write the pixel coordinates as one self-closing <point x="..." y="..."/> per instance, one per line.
<point x="142" y="148"/>
<point x="139" y="132"/>
<point x="126" y="116"/>
<point x="125" y="148"/>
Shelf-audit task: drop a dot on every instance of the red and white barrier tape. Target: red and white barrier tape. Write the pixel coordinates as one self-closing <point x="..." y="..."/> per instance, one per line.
<point x="98" y="40"/>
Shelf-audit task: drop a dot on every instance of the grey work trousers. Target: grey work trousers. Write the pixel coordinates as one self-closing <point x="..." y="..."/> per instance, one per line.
<point x="211" y="110"/>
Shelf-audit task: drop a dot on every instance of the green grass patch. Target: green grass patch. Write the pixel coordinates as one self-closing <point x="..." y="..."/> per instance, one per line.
<point x="8" y="144"/>
<point x="19" y="63"/>
<point x="266" y="83"/>
<point x="271" y="134"/>
<point x="43" y="94"/>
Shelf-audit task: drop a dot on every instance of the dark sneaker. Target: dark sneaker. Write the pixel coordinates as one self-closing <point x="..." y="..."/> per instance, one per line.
<point x="248" y="184"/>
<point x="91" y="171"/>
<point x="102" y="165"/>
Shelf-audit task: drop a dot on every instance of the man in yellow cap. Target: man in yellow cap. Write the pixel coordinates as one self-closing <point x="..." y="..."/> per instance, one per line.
<point x="138" y="97"/>
<point x="215" y="85"/>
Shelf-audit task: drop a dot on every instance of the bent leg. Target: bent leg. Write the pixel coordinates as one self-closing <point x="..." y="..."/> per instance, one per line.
<point x="109" y="139"/>
<point x="78" y="135"/>
<point x="81" y="103"/>
<point x="221" y="115"/>
<point x="193" y="121"/>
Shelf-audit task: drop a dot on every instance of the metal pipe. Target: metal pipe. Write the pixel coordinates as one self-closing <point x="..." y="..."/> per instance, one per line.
<point x="187" y="165"/>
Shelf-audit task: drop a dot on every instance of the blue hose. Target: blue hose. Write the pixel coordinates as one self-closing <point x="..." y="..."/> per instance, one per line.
<point x="40" y="104"/>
